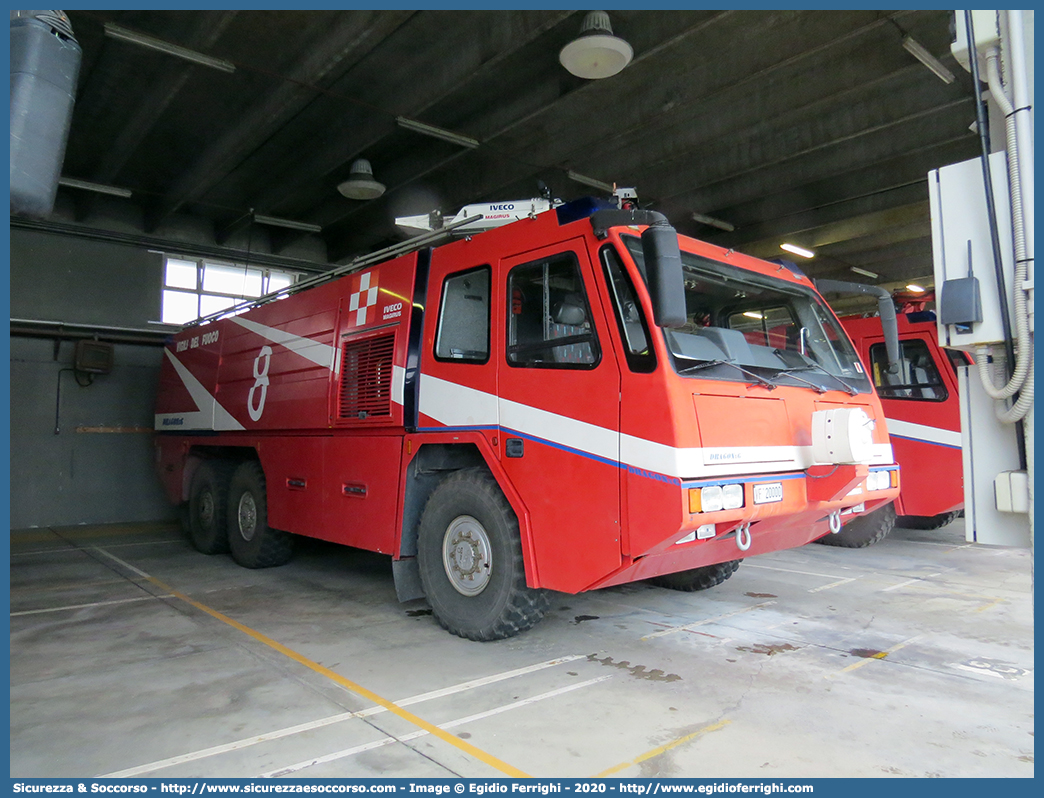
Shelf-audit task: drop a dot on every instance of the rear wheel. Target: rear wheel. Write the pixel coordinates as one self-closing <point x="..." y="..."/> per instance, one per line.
<point x="253" y="542"/>
<point x="927" y="521"/>
<point x="864" y="530"/>
<point x="207" y="507"/>
<point x="698" y="578"/>
<point x="470" y="557"/>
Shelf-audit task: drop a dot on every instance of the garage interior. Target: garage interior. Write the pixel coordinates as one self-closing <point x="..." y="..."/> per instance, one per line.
<point x="132" y="655"/>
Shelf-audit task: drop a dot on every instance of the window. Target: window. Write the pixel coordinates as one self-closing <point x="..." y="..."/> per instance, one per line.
<point x="195" y="288"/>
<point x="464" y="317"/>
<point x="549" y="321"/>
<point x="918" y="377"/>
<point x="629" y="317"/>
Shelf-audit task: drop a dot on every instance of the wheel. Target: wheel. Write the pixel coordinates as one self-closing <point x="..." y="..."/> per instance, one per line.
<point x="697" y="578"/>
<point x="207" y="513"/>
<point x="864" y="530"/>
<point x="470" y="557"/>
<point x="927" y="521"/>
<point x="253" y="542"/>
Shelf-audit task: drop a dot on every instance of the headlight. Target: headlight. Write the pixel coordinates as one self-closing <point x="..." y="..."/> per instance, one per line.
<point x="732" y="496"/>
<point x="711" y="498"/>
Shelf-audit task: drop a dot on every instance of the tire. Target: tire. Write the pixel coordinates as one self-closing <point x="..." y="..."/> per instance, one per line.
<point x="253" y="542"/>
<point x="697" y="578"/>
<point x="864" y="530"/>
<point x="927" y="521"/>
<point x="207" y="512"/>
<point x="470" y="556"/>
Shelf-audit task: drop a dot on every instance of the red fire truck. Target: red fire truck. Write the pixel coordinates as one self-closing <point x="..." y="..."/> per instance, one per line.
<point x="921" y="404"/>
<point x="577" y="399"/>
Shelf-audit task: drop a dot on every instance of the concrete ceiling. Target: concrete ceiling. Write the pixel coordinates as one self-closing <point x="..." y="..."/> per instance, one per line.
<point x="814" y="127"/>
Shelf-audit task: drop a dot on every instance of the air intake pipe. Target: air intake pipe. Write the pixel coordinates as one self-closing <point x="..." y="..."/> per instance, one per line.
<point x="885" y="307"/>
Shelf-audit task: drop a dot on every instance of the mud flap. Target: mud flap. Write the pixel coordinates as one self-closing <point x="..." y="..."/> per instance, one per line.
<point x="406" y="574"/>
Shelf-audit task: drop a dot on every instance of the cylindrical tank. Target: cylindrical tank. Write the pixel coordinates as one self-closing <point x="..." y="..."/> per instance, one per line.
<point x="45" y="62"/>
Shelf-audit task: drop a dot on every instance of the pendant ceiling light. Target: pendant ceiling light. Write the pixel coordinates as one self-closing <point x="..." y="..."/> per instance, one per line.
<point x="360" y="184"/>
<point x="596" y="53"/>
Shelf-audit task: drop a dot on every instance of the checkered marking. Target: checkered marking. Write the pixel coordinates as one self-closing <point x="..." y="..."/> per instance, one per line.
<point x="364" y="297"/>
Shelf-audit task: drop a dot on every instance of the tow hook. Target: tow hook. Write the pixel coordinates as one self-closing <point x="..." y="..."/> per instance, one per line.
<point x="743" y="536"/>
<point x="835" y="522"/>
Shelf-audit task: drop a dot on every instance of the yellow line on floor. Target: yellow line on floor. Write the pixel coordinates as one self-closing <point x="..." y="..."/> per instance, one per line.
<point x="348" y="684"/>
<point x="878" y="655"/>
<point x="72" y="534"/>
<point x="662" y="749"/>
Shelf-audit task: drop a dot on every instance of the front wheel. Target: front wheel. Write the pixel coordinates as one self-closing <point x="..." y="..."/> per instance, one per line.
<point x="864" y="530"/>
<point x="253" y="542"/>
<point x="697" y="578"/>
<point x="927" y="521"/>
<point x="470" y="557"/>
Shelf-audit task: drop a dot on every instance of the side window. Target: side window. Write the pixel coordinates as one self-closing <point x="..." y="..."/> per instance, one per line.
<point x="918" y="377"/>
<point x="549" y="319"/>
<point x="463" y="332"/>
<point x="629" y="317"/>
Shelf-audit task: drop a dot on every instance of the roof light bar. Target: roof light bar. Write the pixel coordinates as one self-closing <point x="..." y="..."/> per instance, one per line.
<point x="589" y="181"/>
<point x="437" y="132"/>
<point x="917" y="50"/>
<point x="795" y="249"/>
<point x="123" y="34"/>
<point x="290" y="224"/>
<point x="115" y="191"/>
<point x="710" y="220"/>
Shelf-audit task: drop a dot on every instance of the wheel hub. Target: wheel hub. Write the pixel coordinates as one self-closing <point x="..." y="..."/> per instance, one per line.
<point x="466" y="555"/>
<point x="206" y="510"/>
<point x="247" y="516"/>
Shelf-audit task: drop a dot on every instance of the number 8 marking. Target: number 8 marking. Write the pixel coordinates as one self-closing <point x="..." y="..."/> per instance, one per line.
<point x="260" y="381"/>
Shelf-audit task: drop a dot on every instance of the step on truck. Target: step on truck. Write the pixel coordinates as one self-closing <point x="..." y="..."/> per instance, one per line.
<point x="575" y="399"/>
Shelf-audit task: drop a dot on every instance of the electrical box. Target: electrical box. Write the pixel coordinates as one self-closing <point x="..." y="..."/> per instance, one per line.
<point x="987" y="34"/>
<point x="93" y="357"/>
<point x="962" y="251"/>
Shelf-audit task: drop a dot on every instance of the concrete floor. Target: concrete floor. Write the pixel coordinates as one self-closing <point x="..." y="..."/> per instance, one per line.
<point x="911" y="658"/>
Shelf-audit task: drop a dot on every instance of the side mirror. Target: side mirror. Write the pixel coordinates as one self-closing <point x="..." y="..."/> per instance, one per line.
<point x="663" y="273"/>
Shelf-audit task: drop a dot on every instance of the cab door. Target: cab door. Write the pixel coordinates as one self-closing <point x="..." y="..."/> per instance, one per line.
<point x="558" y="405"/>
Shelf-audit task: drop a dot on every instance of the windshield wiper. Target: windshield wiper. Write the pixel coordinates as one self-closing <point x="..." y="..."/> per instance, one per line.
<point x="811" y="366"/>
<point x="759" y="379"/>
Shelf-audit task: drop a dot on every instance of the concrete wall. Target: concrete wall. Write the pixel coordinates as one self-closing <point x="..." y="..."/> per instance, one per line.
<point x="98" y="468"/>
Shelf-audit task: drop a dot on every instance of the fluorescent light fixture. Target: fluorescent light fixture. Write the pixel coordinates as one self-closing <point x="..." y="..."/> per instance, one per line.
<point x="916" y="49"/>
<point x="290" y="224"/>
<point x="437" y="132"/>
<point x="917" y="289"/>
<point x="710" y="220"/>
<point x="151" y="43"/>
<point x="864" y="272"/>
<point x="72" y="182"/>
<point x="361" y="184"/>
<point x="795" y="249"/>
<point x="596" y="53"/>
<point x="753" y="314"/>
<point x="589" y="181"/>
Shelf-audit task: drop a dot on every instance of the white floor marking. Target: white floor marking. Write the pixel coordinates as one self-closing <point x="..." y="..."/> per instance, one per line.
<point x="414" y="735"/>
<point x="690" y="626"/>
<point x="792" y="571"/>
<point x="908" y="582"/>
<point x="332" y="719"/>
<point x="833" y="584"/>
<point x="84" y="606"/>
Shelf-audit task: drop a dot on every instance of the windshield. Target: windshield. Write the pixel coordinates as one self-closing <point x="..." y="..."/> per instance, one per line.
<point x="745" y="326"/>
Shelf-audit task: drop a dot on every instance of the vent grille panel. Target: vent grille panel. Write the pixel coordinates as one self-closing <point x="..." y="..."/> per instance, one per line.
<point x="366" y="378"/>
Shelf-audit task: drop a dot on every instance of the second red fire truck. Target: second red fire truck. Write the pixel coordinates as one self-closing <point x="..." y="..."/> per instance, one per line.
<point x="577" y="399"/>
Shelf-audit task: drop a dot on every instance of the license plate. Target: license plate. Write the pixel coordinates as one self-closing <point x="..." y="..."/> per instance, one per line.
<point x="769" y="492"/>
